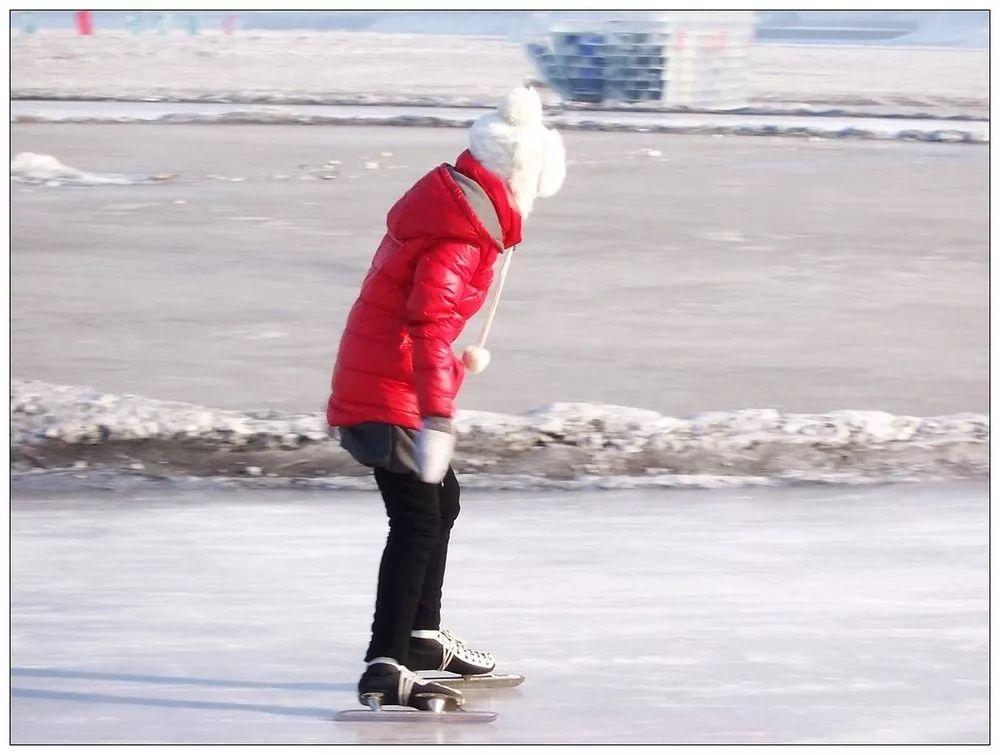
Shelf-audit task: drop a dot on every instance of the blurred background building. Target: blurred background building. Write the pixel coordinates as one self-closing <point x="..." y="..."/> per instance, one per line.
<point x="668" y="58"/>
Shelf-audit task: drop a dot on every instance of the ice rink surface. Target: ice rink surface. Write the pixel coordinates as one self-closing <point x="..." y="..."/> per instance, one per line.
<point x="676" y="273"/>
<point x="801" y="614"/>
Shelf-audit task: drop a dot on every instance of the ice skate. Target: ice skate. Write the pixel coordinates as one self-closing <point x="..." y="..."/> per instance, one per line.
<point x="387" y="683"/>
<point x="444" y="657"/>
<point x="442" y="650"/>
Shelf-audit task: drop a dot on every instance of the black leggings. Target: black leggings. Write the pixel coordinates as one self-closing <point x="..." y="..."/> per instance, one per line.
<point x="412" y="570"/>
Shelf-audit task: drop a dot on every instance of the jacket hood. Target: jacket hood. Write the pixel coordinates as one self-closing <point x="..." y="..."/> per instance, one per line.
<point x="444" y="205"/>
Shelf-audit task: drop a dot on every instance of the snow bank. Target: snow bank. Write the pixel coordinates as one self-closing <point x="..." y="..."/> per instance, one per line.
<point x="563" y="445"/>
<point x="894" y="129"/>
<point x="31" y="167"/>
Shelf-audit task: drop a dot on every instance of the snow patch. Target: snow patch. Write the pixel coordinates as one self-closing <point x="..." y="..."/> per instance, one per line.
<point x="31" y="167"/>
<point x="562" y="445"/>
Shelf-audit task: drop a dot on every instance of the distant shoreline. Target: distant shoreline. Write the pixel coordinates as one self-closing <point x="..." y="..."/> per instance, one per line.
<point x="273" y="67"/>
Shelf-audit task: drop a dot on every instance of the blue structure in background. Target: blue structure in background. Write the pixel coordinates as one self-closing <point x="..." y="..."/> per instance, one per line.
<point x="669" y="58"/>
<point x="593" y="67"/>
<point x="575" y="67"/>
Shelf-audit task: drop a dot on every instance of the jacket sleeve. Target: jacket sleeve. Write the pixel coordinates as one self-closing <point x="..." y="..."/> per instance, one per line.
<point x="442" y="273"/>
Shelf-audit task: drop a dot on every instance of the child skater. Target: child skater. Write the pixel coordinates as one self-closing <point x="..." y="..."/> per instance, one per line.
<point x="396" y="378"/>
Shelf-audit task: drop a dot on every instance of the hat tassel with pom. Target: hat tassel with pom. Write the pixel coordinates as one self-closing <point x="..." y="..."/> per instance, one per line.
<point x="477" y="356"/>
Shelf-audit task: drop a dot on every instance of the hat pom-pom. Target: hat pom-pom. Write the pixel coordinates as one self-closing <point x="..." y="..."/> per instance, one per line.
<point x="475" y="358"/>
<point x="522" y="107"/>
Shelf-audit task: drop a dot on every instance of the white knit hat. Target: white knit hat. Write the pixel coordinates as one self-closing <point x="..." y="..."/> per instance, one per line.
<point x="513" y="143"/>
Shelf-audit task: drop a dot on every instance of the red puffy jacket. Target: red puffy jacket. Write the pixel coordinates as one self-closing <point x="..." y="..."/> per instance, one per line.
<point x="430" y="274"/>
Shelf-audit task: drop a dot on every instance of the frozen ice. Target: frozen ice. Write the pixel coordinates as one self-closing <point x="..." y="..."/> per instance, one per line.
<point x="768" y="615"/>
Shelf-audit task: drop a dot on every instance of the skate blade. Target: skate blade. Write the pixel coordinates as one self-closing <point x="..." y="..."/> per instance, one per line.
<point x="423" y="716"/>
<point x="482" y="681"/>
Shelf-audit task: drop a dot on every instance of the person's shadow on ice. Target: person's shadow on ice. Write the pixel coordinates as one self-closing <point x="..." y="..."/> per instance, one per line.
<point x="95" y="697"/>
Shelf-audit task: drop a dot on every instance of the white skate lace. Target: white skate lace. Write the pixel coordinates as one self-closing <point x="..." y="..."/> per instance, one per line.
<point x="454" y="646"/>
<point x="406" y="681"/>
